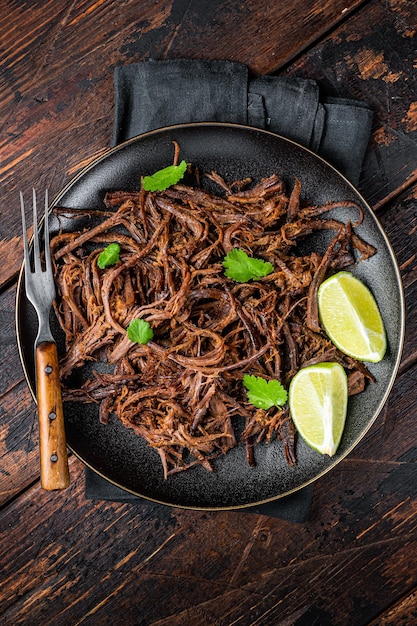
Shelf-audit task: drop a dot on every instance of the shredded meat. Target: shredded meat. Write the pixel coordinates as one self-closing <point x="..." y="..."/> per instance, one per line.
<point x="182" y="392"/>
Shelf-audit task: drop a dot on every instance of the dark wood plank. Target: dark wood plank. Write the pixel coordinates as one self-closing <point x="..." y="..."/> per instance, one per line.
<point x="400" y="223"/>
<point x="363" y="512"/>
<point x="370" y="57"/>
<point x="11" y="372"/>
<point x="19" y="442"/>
<point x="59" y="100"/>
<point x="164" y="567"/>
<point x="28" y="35"/>
<point x="70" y="560"/>
<point x="19" y="436"/>
<point x="402" y="613"/>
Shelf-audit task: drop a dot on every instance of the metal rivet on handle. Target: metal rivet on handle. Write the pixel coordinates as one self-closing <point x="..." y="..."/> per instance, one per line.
<point x="48" y="369"/>
<point x="52" y="415"/>
<point x="54" y="458"/>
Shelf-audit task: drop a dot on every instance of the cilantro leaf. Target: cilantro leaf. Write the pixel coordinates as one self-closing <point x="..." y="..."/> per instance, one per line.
<point x="139" y="331"/>
<point x="109" y="256"/>
<point x="162" y="179"/>
<point x="264" y="393"/>
<point x="241" y="267"/>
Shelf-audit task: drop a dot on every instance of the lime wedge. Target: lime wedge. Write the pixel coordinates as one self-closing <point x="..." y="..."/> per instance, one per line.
<point x="351" y="318"/>
<point x="318" y="397"/>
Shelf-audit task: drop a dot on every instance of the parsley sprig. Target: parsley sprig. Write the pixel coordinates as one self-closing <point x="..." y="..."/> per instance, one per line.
<point x="241" y="267"/>
<point x="162" y="179"/>
<point x="109" y="256"/>
<point x="139" y="331"/>
<point x="263" y="393"/>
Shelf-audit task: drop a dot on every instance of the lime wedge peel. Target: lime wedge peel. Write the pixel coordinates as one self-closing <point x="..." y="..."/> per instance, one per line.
<point x="318" y="398"/>
<point x="350" y="316"/>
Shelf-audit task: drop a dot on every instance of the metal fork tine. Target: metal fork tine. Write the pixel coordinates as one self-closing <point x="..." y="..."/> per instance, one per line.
<point x="36" y="251"/>
<point x="46" y="236"/>
<point x="25" y="235"/>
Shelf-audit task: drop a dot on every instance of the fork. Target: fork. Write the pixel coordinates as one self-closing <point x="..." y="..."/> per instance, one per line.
<point x="40" y="291"/>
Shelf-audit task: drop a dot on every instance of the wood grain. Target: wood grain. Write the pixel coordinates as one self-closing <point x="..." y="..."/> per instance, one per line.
<point x="375" y="64"/>
<point x="60" y="99"/>
<point x="400" y="223"/>
<point x="52" y="440"/>
<point x="402" y="613"/>
<point x="68" y="560"/>
<point x="363" y="513"/>
<point x="95" y="557"/>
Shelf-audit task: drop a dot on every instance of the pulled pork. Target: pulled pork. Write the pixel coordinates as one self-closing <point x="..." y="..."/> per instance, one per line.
<point x="182" y="392"/>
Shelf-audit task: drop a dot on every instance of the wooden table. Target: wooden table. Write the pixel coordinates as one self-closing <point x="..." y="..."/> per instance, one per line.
<point x="68" y="560"/>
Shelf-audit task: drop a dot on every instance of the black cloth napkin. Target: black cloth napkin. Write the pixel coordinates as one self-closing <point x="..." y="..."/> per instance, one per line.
<point x="153" y="94"/>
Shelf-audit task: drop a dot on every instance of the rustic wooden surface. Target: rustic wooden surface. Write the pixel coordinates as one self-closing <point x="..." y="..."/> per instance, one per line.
<point x="67" y="560"/>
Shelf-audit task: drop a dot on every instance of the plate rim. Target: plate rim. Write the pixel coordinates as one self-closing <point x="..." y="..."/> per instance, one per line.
<point x="95" y="161"/>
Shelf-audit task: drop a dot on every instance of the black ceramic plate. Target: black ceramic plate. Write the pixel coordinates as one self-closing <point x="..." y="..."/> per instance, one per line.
<point x="235" y="152"/>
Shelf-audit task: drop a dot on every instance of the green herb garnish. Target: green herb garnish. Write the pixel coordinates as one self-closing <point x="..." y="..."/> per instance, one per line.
<point x="164" y="178"/>
<point x="264" y="393"/>
<point x="139" y="331"/>
<point x="109" y="256"/>
<point x="241" y="267"/>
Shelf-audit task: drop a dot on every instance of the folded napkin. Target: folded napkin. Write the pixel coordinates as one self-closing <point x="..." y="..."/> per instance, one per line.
<point x="154" y="94"/>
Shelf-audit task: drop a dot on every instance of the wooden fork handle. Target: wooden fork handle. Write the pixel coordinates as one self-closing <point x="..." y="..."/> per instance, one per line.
<point x="52" y="441"/>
